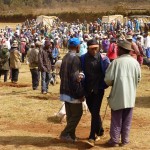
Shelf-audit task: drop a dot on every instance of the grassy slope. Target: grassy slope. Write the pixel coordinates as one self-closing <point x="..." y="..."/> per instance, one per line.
<point x="82" y="6"/>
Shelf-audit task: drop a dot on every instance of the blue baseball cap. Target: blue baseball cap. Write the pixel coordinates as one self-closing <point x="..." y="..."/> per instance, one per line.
<point x="74" y="42"/>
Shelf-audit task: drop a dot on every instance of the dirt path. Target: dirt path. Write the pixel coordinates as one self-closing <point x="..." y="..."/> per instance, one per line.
<point x="27" y="119"/>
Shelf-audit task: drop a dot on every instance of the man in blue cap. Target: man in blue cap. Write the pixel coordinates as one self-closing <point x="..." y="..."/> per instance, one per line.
<point x="71" y="90"/>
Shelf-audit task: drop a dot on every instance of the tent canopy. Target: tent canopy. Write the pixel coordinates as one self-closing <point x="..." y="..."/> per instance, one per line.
<point x="143" y="18"/>
<point x="111" y="18"/>
<point x="46" y="20"/>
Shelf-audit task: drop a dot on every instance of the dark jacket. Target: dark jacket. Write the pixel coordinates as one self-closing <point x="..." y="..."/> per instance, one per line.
<point x="94" y="69"/>
<point x="44" y="63"/>
<point x="70" y="68"/>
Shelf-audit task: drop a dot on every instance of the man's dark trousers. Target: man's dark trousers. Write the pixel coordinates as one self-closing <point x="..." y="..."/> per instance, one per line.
<point x="15" y="73"/>
<point x="74" y="113"/>
<point x="35" y="78"/>
<point x="94" y="102"/>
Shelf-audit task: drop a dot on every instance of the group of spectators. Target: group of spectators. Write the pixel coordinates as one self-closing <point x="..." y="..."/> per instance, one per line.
<point x="98" y="55"/>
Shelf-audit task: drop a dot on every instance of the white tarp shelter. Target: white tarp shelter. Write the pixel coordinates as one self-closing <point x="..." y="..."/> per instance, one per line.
<point x="46" y="20"/>
<point x="143" y="18"/>
<point x="111" y="18"/>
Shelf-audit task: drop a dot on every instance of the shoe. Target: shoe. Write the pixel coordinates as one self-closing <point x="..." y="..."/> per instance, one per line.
<point x="111" y="144"/>
<point x="15" y="82"/>
<point x="124" y="144"/>
<point x="97" y="138"/>
<point x="76" y="139"/>
<point x="91" y="142"/>
<point x="66" y="138"/>
<point x="44" y="92"/>
<point x="35" y="88"/>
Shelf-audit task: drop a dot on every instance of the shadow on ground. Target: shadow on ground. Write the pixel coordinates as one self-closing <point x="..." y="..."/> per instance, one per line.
<point x="40" y="142"/>
<point x="54" y="119"/>
<point x="14" y="93"/>
<point x="143" y="102"/>
<point x="18" y="85"/>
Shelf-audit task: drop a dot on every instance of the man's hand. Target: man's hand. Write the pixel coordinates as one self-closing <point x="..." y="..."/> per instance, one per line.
<point x="80" y="77"/>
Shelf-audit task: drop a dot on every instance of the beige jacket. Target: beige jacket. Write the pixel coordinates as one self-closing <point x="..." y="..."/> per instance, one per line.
<point x="15" y="59"/>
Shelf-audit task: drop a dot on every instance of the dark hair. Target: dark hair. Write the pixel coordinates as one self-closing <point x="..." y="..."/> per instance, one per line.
<point x="125" y="50"/>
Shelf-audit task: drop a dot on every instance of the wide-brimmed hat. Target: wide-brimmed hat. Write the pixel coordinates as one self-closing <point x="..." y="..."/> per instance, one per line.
<point x="113" y="39"/>
<point x="137" y="33"/>
<point x="52" y="41"/>
<point x="129" y="37"/>
<point x="92" y="43"/>
<point x="14" y="45"/>
<point x="139" y="36"/>
<point x="105" y="37"/>
<point x="15" y="41"/>
<point x="5" y="46"/>
<point x="125" y="44"/>
<point x="38" y="43"/>
<point x="32" y="44"/>
<point x="23" y="40"/>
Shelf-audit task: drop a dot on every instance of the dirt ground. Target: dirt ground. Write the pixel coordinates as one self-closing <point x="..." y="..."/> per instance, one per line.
<point x="27" y="119"/>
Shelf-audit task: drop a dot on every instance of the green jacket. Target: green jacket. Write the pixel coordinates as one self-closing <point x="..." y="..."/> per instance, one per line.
<point x="4" y="59"/>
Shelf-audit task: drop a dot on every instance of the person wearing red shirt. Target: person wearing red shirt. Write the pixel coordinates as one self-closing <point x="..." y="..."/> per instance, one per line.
<point x="113" y="50"/>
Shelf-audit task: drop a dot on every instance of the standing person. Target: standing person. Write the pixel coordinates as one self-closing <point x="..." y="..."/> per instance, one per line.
<point x="22" y="48"/>
<point x="113" y="50"/>
<point x="33" y="64"/>
<point x="105" y="44"/>
<point x="147" y="45"/>
<point x="44" y="66"/>
<point x="123" y="75"/>
<point x="71" y="90"/>
<point x="83" y="47"/>
<point x="92" y="65"/>
<point x="55" y="54"/>
<point x="4" y="61"/>
<point x="134" y="46"/>
<point x="15" y="62"/>
<point x="140" y="57"/>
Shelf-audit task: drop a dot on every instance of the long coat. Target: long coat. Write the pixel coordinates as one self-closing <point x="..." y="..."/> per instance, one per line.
<point x="4" y="59"/>
<point x="15" y="59"/>
<point x="123" y="75"/>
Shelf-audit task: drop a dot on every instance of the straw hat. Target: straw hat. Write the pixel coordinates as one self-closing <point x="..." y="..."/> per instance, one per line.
<point x="129" y="37"/>
<point x="14" y="45"/>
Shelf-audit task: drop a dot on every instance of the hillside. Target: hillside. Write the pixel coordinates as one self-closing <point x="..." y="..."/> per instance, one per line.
<point x="70" y="10"/>
<point x="58" y="6"/>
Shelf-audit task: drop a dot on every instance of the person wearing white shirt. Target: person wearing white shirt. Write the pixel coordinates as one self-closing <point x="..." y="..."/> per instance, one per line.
<point x="147" y="45"/>
<point x="7" y="42"/>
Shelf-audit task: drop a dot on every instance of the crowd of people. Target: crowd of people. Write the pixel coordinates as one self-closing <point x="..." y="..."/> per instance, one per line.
<point x="98" y="55"/>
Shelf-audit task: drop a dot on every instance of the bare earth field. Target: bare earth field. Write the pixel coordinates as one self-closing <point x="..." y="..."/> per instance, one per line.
<point x="27" y="119"/>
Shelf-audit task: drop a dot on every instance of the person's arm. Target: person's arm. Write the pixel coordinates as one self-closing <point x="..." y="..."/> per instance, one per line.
<point x="76" y="67"/>
<point x="139" y="73"/>
<point x="40" y="62"/>
<point x="110" y="74"/>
